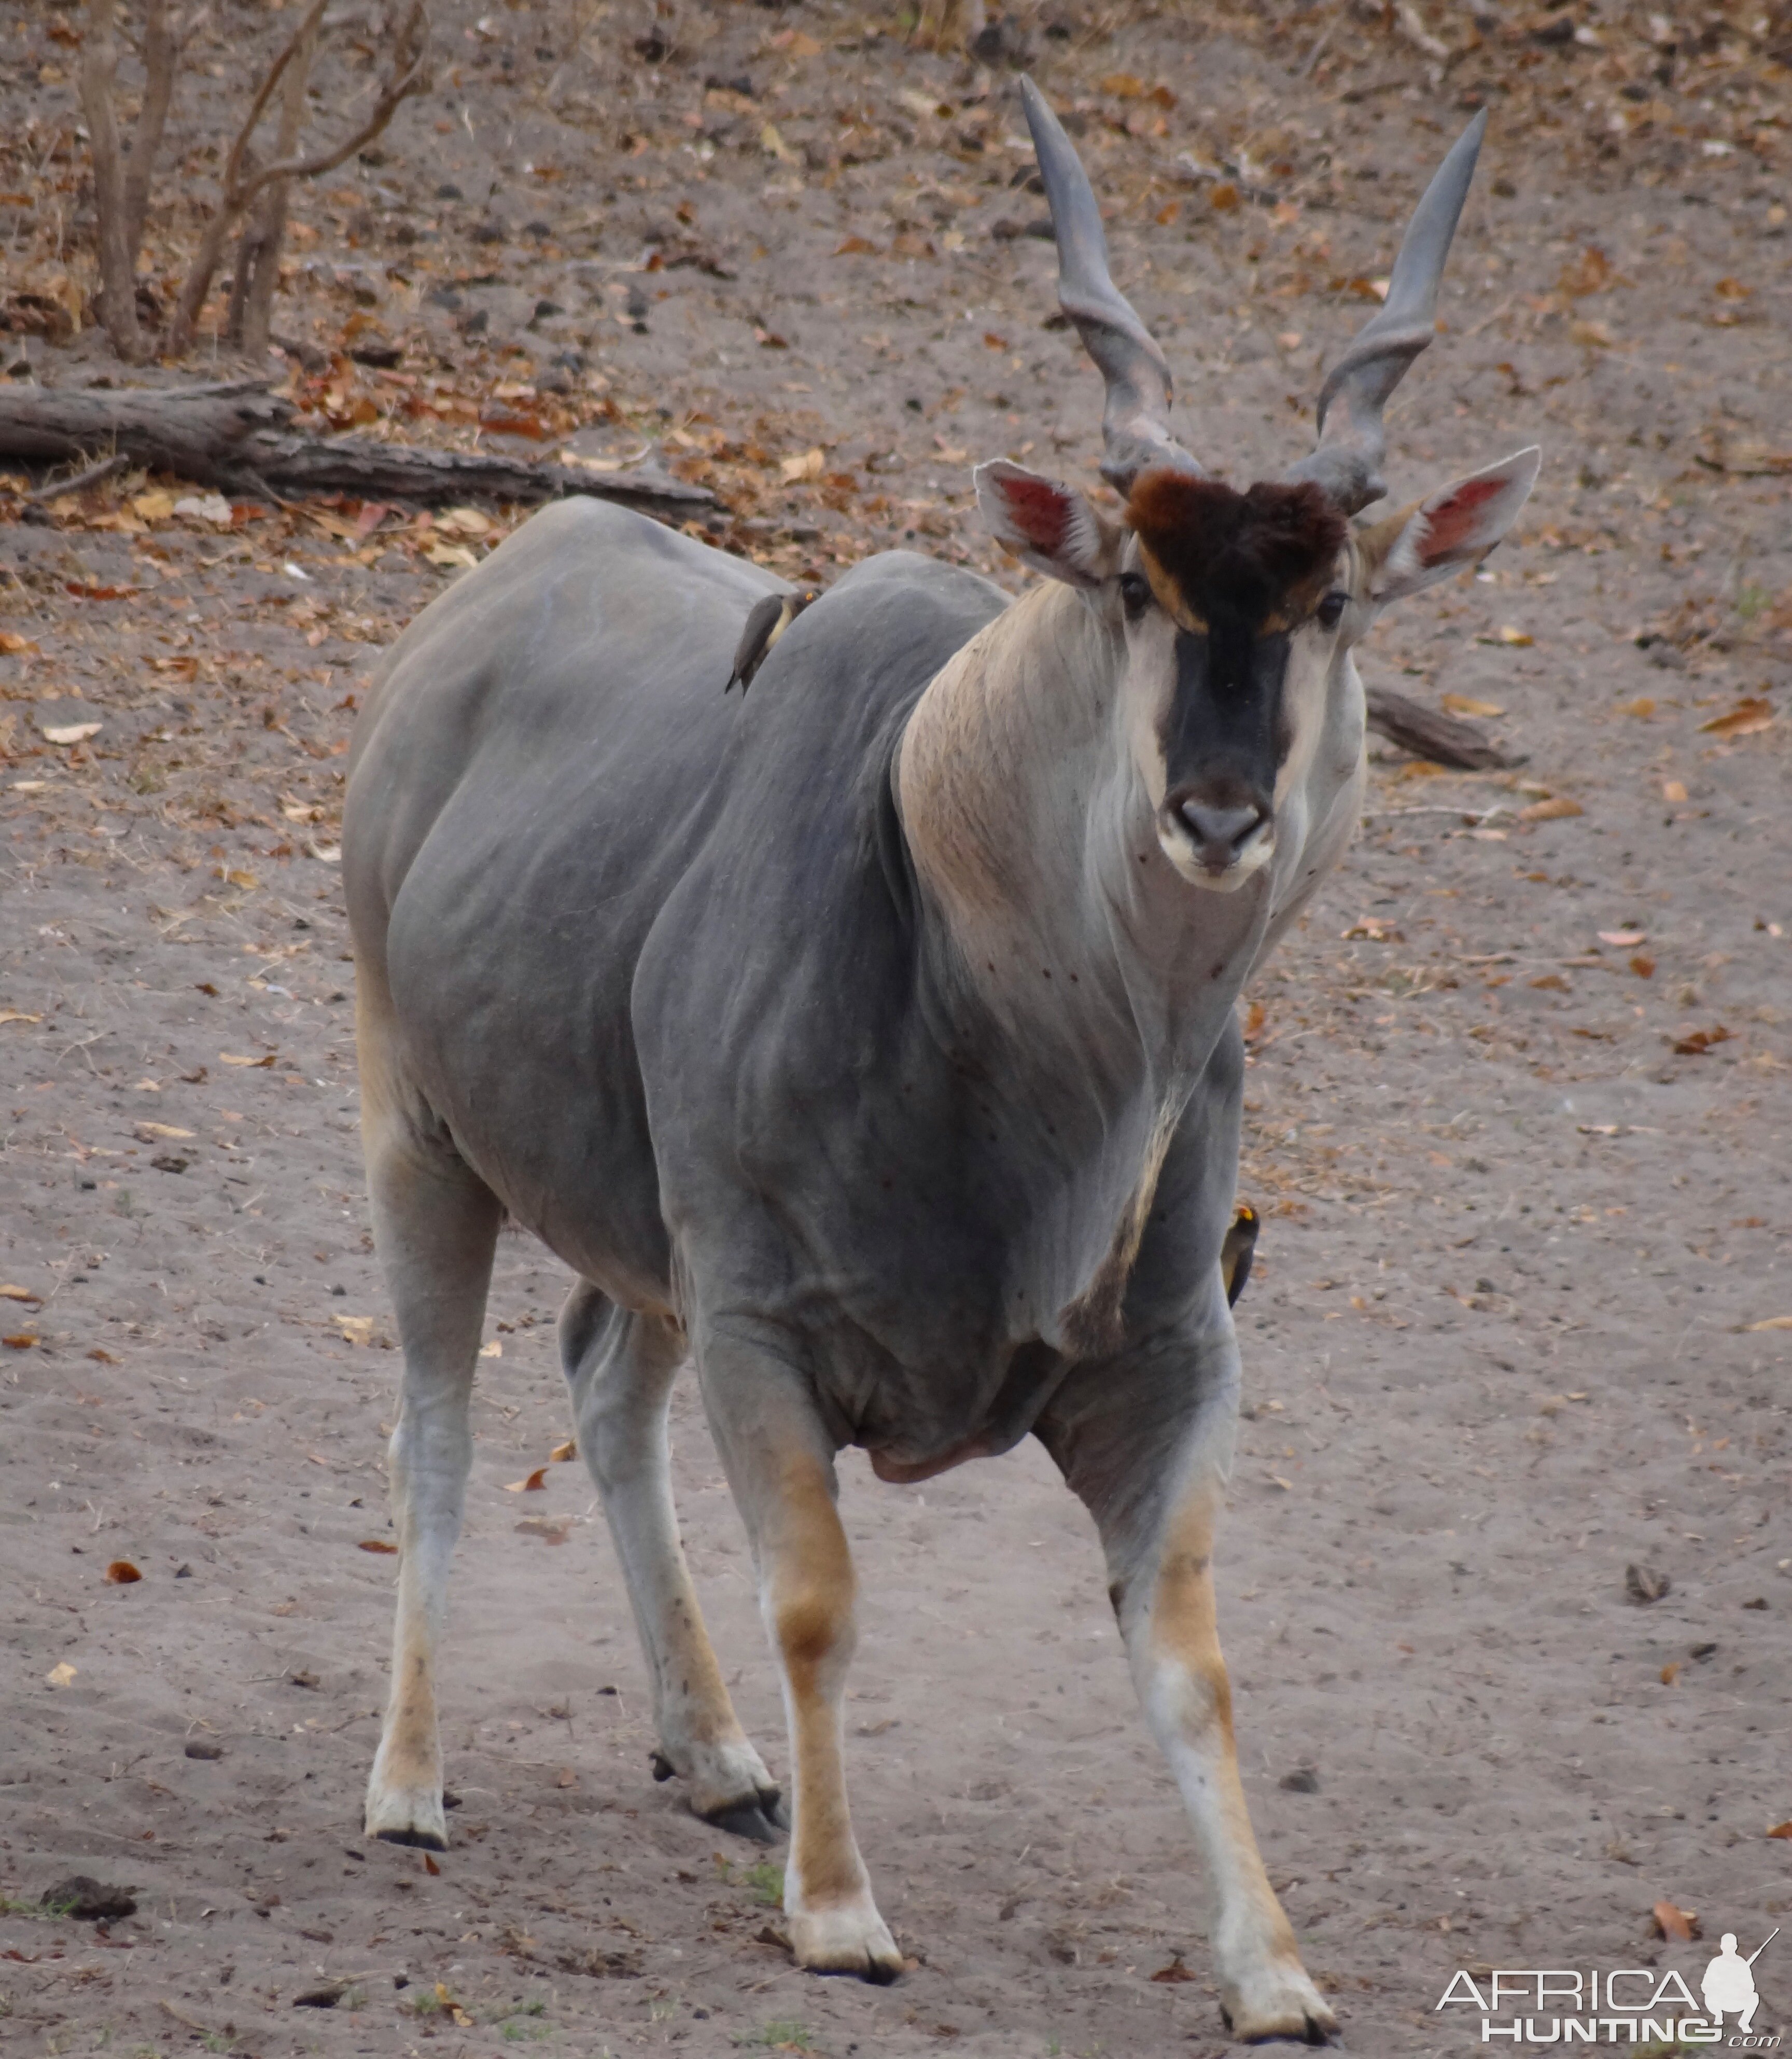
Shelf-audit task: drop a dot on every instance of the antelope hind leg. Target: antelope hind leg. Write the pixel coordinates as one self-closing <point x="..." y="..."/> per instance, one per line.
<point x="1153" y="1478"/>
<point x="621" y="1367"/>
<point x="780" y="1466"/>
<point x="435" y="1225"/>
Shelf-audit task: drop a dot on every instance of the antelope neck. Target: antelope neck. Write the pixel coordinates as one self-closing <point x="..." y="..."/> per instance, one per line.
<point x="1050" y="907"/>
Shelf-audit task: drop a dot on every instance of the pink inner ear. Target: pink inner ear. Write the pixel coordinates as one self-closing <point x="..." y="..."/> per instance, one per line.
<point x="1039" y="512"/>
<point x="1453" y="525"/>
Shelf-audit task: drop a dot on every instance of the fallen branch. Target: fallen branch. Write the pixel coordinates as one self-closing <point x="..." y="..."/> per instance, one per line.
<point x="81" y="480"/>
<point x="1444" y="739"/>
<point x="238" y="435"/>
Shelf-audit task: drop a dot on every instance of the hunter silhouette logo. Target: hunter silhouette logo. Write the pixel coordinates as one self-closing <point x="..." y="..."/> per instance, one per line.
<point x="1729" y="1982"/>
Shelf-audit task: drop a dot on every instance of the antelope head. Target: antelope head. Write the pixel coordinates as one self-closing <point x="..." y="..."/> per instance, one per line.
<point x="1235" y="613"/>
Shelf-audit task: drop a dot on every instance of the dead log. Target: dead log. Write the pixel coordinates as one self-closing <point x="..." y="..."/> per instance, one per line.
<point x="238" y="435"/>
<point x="1444" y="739"/>
<point x="198" y="432"/>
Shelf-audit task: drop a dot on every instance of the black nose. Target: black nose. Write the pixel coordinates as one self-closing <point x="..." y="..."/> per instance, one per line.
<point x="1220" y="834"/>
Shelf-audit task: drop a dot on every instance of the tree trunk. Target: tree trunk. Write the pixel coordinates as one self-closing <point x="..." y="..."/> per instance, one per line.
<point x="159" y="53"/>
<point x="237" y="436"/>
<point x="252" y="297"/>
<point x="118" y="247"/>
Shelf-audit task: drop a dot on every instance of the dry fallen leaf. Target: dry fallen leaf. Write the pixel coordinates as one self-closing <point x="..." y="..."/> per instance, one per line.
<point x="1643" y="1584"/>
<point x="25" y="1294"/>
<point x="567" y="1778"/>
<point x="150" y="1131"/>
<point x="494" y="1349"/>
<point x="155" y="507"/>
<point x="1519" y="638"/>
<point x="1174" y="1972"/>
<point x="464" y="522"/>
<point x="1701" y="1041"/>
<point x="17" y="1015"/>
<point x="460" y="2016"/>
<point x="375" y="1544"/>
<point x="15" y="646"/>
<point x="1643" y="709"/>
<point x="1559" y="808"/>
<point x="1773" y="1323"/>
<point x="1671" y="1672"/>
<point x="807" y="464"/>
<point x="551" y="1530"/>
<point x="857" y="246"/>
<point x="1467" y="704"/>
<point x="451" y="554"/>
<point x="1781" y="1830"/>
<point x="20" y="1340"/>
<point x="121" y="1573"/>
<point x="230" y="1058"/>
<point x="1747" y="718"/>
<point x="561" y="1452"/>
<point x="1674" y="790"/>
<point x="1643" y="965"/>
<point x="60" y="1676"/>
<point x="355" y="1329"/>
<point x="1623" y="938"/>
<point x="534" y="1484"/>
<point x="212" y="508"/>
<point x="72" y="732"/>
<point x="1681" y="1926"/>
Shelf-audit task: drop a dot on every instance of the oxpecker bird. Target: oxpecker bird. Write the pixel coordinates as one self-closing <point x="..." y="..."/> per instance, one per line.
<point x="1235" y="1252"/>
<point x="768" y="621"/>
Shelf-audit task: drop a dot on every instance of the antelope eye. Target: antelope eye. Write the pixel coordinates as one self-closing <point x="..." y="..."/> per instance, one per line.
<point x="1330" y="610"/>
<point x="1135" y="590"/>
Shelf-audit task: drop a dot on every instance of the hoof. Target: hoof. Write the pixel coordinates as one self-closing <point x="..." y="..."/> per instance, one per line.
<point x="764" y="1819"/>
<point x="728" y="1786"/>
<point x="853" y="1940"/>
<point x="1284" y="2005"/>
<point x="428" y="1841"/>
<point x="407" y="1816"/>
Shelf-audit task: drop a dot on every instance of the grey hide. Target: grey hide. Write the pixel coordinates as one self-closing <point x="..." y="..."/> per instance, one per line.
<point x="656" y="962"/>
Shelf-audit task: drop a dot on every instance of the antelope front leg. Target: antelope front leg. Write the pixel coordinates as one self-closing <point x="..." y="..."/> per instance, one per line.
<point x="1152" y="1466"/>
<point x="1167" y="1617"/>
<point x="780" y="1466"/>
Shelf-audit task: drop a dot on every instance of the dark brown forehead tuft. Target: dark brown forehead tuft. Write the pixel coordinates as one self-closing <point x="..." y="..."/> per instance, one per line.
<point x="1253" y="557"/>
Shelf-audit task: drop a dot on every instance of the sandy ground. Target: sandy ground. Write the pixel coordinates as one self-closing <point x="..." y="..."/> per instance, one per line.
<point x="1520" y="1109"/>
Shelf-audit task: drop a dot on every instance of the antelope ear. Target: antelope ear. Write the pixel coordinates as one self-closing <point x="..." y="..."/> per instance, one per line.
<point x="1049" y="526"/>
<point x="1461" y="522"/>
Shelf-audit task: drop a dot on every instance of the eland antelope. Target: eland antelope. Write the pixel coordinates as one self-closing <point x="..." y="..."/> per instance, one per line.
<point x="869" y="1037"/>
